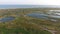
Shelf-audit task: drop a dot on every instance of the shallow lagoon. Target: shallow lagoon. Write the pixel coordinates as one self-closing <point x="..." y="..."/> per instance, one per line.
<point x="36" y="15"/>
<point x="44" y="16"/>
<point x="7" y="19"/>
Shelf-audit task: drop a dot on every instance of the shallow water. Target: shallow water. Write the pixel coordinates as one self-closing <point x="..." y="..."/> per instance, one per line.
<point x="54" y="13"/>
<point x="6" y="19"/>
<point x="36" y="15"/>
<point x="42" y="16"/>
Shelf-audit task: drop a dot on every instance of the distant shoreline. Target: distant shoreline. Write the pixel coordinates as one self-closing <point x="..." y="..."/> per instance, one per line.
<point x="27" y="6"/>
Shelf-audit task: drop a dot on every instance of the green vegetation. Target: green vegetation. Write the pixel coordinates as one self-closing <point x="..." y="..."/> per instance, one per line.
<point x="26" y="25"/>
<point x="21" y="26"/>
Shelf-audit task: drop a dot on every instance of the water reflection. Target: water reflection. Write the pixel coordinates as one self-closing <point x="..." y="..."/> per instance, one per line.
<point x="42" y="16"/>
<point x="7" y="19"/>
<point x="38" y="15"/>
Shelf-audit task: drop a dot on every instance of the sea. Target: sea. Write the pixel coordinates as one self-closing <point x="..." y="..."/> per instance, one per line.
<point x="28" y="6"/>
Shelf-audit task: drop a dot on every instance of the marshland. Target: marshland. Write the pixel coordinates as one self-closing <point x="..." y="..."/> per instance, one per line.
<point x="29" y="21"/>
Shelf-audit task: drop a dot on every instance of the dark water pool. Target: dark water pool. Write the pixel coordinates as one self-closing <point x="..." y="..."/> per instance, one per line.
<point x="7" y="19"/>
<point x="36" y="15"/>
<point x="42" y="16"/>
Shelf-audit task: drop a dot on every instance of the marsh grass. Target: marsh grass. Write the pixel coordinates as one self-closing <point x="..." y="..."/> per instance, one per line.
<point x="25" y="24"/>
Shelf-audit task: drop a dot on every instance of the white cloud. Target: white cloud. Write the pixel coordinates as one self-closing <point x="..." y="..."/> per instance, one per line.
<point x="33" y="2"/>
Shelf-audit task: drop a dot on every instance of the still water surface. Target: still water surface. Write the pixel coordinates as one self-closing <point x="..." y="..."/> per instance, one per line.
<point x="6" y="19"/>
<point x="44" y="16"/>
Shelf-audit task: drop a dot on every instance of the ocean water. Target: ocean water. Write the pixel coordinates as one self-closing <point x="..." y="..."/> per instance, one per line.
<point x="18" y="6"/>
<point x="29" y="6"/>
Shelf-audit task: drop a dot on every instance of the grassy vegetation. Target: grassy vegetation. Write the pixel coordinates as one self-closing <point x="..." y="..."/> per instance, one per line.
<point x="25" y="24"/>
<point x="21" y="26"/>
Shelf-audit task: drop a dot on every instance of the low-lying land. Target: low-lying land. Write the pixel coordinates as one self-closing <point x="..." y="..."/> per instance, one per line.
<point x="23" y="24"/>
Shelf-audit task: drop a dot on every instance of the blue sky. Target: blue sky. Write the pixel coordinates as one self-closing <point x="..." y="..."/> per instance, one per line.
<point x="31" y="2"/>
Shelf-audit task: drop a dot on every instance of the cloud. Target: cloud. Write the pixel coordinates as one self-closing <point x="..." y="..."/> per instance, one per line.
<point x="32" y="2"/>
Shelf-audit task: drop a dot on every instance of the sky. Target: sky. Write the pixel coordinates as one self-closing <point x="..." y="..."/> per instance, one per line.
<point x="31" y="2"/>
